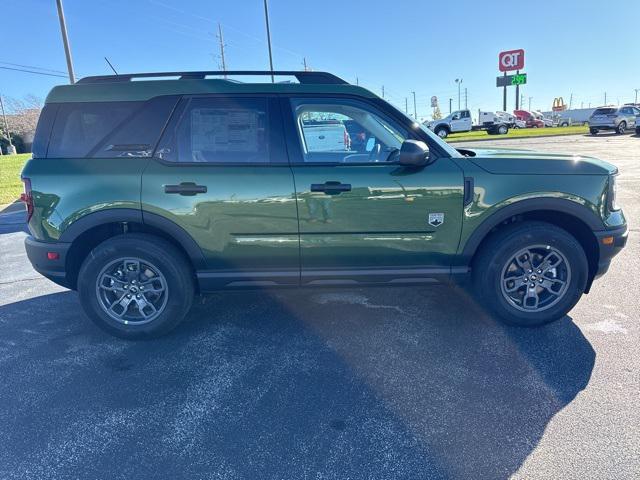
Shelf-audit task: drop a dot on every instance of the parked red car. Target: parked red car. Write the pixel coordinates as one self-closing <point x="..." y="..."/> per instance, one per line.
<point x="528" y="118"/>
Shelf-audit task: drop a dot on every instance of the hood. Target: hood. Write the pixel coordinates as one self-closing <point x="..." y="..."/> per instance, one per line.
<point x="529" y="162"/>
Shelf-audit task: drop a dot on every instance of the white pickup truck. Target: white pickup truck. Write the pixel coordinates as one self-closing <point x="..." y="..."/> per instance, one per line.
<point x="460" y="121"/>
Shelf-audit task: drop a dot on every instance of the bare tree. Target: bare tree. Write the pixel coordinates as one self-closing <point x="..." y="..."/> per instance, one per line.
<point x="22" y="117"/>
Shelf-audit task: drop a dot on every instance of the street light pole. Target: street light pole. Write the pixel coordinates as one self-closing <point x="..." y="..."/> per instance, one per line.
<point x="266" y="19"/>
<point x="415" y="109"/>
<point x="65" y="41"/>
<point x="459" y="82"/>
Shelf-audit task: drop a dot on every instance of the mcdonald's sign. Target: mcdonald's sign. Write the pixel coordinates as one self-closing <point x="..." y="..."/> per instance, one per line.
<point x="558" y="105"/>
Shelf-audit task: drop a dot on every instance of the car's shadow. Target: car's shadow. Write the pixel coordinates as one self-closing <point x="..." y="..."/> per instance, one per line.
<point x="366" y="383"/>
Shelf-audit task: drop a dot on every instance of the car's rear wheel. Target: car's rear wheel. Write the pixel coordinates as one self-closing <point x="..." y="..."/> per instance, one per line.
<point x="622" y="127"/>
<point x="531" y="273"/>
<point x="136" y="286"/>
<point x="593" y="131"/>
<point x="637" y="130"/>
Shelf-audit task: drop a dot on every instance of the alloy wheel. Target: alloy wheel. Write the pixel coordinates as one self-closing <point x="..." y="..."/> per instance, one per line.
<point x="535" y="278"/>
<point x="132" y="291"/>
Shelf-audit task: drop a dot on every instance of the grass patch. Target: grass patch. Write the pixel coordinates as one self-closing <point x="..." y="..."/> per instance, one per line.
<point x="519" y="133"/>
<point x="10" y="184"/>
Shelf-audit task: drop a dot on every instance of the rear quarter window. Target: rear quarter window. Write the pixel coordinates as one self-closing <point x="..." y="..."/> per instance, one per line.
<point x="109" y="129"/>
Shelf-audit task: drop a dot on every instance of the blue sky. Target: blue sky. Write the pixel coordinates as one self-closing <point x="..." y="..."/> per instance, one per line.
<point x="580" y="47"/>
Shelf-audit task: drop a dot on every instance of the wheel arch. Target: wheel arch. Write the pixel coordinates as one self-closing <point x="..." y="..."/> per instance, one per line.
<point x="572" y="217"/>
<point x="92" y="229"/>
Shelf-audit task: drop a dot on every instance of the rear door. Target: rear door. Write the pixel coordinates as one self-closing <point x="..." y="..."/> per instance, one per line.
<point x="221" y="173"/>
<point x="363" y="217"/>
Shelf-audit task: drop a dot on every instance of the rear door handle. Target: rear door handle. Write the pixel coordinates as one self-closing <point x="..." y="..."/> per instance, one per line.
<point x="331" y="188"/>
<point x="186" y="189"/>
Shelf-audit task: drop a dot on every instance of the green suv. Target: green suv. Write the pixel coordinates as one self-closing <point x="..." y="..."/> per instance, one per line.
<point x="146" y="189"/>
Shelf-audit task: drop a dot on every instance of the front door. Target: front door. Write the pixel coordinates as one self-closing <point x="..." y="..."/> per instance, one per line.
<point x="363" y="217"/>
<point x="221" y="173"/>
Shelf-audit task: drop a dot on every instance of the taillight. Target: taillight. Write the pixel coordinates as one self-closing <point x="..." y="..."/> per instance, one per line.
<point x="27" y="197"/>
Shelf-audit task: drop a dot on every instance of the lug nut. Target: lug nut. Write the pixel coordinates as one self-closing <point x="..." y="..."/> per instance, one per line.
<point x="138" y="296"/>
<point x="126" y="286"/>
<point x="539" y="271"/>
<point x="532" y="285"/>
<point x="129" y="296"/>
<point x="526" y="279"/>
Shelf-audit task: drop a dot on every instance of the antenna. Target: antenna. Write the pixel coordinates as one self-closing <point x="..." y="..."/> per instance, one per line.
<point x="221" y="38"/>
<point x="107" y="60"/>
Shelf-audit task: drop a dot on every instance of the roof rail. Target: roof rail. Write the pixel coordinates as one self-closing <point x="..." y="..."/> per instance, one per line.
<point x="302" y="77"/>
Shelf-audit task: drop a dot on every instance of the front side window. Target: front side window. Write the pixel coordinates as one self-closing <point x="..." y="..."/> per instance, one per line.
<point x="219" y="130"/>
<point x="345" y="131"/>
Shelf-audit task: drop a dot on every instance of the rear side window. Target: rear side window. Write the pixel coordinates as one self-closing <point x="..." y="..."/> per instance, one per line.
<point x="107" y="129"/>
<point x="79" y="127"/>
<point x="236" y="130"/>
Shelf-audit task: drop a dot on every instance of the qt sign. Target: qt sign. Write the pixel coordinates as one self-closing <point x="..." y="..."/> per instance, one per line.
<point x="511" y="60"/>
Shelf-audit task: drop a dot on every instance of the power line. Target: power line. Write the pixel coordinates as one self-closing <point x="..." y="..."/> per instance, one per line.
<point x="33" y="71"/>
<point x="32" y="67"/>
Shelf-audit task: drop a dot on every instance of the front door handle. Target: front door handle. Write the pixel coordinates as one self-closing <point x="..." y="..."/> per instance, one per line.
<point x="187" y="189"/>
<point x="331" y="188"/>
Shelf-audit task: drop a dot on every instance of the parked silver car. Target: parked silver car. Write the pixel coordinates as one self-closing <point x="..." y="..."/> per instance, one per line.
<point x="613" y="118"/>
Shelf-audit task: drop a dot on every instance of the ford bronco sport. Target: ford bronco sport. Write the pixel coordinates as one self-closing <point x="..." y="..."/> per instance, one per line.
<point x="145" y="189"/>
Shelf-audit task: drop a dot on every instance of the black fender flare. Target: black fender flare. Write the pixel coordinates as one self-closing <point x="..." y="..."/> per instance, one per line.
<point x="120" y="215"/>
<point x="577" y="210"/>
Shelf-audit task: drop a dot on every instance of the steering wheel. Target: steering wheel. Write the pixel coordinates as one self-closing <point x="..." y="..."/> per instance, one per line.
<point x="374" y="154"/>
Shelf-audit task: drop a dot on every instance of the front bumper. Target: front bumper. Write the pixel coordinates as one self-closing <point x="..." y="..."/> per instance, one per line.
<point x="610" y="243"/>
<point x="42" y="256"/>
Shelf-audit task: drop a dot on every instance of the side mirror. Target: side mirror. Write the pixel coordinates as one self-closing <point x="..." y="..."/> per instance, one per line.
<point x="413" y="153"/>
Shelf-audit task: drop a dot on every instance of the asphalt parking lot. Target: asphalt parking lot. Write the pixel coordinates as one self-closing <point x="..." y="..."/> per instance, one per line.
<point x="324" y="384"/>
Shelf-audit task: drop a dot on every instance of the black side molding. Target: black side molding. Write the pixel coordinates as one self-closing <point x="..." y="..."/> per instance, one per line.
<point x="468" y="191"/>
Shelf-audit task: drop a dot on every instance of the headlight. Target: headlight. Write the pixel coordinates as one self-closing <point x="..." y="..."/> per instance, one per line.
<point x="613" y="193"/>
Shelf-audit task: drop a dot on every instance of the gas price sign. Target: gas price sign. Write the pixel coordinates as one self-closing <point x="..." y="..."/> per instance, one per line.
<point x="511" y="80"/>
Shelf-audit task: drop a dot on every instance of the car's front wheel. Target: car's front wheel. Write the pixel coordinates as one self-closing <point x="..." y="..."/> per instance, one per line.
<point x="622" y="127"/>
<point x="593" y="131"/>
<point x="442" y="132"/>
<point x="530" y="273"/>
<point x="136" y="286"/>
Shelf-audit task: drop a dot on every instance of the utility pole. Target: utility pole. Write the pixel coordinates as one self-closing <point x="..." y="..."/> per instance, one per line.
<point x="11" y="149"/>
<point x="65" y="41"/>
<point x="357" y="80"/>
<point x="415" y="109"/>
<point x="382" y="91"/>
<point x="450" y="104"/>
<point x="570" y="101"/>
<point x="636" y="90"/>
<point x="266" y="19"/>
<point x="465" y="97"/>
<point x="530" y="103"/>
<point x="605" y="98"/>
<point x="304" y="63"/>
<point x="221" y="38"/>
<point x="522" y="99"/>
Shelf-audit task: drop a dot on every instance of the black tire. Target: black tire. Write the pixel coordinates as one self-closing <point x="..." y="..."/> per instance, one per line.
<point x="593" y="131"/>
<point x="497" y="251"/>
<point x="503" y="130"/>
<point x="637" y="130"/>
<point x="564" y="124"/>
<point x="154" y="251"/>
<point x="621" y="128"/>
<point x="442" y="132"/>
